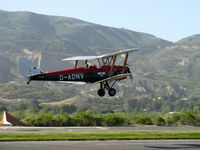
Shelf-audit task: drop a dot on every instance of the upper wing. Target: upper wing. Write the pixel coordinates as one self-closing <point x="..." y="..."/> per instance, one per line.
<point x="81" y="58"/>
<point x="101" y="56"/>
<point x="117" y="77"/>
<point x="120" y="53"/>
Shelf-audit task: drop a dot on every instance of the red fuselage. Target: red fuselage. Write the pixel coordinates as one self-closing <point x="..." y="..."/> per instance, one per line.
<point x="89" y="75"/>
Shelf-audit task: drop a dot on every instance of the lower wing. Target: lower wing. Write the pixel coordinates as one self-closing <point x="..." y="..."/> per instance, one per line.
<point x="117" y="77"/>
<point x="70" y="82"/>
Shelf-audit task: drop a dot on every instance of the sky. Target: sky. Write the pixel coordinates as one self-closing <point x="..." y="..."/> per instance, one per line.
<point x="171" y="20"/>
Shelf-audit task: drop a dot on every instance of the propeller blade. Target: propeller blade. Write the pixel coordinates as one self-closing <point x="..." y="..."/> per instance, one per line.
<point x="128" y="65"/>
<point x="131" y="78"/>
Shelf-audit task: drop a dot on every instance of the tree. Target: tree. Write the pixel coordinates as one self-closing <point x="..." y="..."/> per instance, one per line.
<point x="83" y="119"/>
<point x="34" y="104"/>
<point x="143" y="119"/>
<point x="187" y="118"/>
<point x="3" y="108"/>
<point x="62" y="120"/>
<point x="159" y="121"/>
<point x="114" y="120"/>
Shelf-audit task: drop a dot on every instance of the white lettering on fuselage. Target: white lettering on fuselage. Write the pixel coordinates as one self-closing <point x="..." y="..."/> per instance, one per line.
<point x="78" y="76"/>
<point x="101" y="74"/>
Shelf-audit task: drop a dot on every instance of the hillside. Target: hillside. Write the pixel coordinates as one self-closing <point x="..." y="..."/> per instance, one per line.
<point x="166" y="74"/>
<point x="53" y="38"/>
<point x="191" y="40"/>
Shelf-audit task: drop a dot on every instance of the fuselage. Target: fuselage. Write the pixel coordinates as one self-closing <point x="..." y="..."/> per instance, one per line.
<point x="81" y="74"/>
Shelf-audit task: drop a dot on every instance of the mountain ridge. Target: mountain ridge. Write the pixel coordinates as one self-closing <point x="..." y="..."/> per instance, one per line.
<point x="164" y="72"/>
<point x="63" y="37"/>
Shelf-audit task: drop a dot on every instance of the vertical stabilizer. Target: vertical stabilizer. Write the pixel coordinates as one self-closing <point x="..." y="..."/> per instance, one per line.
<point x="27" y="67"/>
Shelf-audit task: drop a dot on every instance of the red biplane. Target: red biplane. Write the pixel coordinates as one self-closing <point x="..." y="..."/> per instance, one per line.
<point x="103" y="71"/>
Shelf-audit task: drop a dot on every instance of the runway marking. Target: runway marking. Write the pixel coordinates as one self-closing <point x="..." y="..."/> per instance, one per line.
<point x="7" y="127"/>
<point x="102" y="128"/>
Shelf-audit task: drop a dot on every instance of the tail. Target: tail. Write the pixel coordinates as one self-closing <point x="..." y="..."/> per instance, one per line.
<point x="27" y="68"/>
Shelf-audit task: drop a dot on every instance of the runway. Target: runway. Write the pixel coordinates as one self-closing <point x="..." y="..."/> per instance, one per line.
<point x="99" y="145"/>
<point x="103" y="145"/>
<point x="23" y="128"/>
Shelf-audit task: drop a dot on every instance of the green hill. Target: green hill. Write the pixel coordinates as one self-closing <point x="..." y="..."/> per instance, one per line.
<point x="166" y="74"/>
<point x="191" y="40"/>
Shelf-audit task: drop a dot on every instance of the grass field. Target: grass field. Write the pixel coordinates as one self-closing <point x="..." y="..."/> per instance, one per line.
<point x="99" y="135"/>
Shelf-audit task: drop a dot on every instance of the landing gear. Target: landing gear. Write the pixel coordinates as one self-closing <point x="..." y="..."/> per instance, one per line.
<point x="28" y="81"/>
<point x="112" y="92"/>
<point x="105" y="85"/>
<point x="101" y="92"/>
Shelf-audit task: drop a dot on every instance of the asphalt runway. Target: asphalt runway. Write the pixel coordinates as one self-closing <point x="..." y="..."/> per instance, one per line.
<point x="103" y="145"/>
<point x="23" y="128"/>
<point x="99" y="145"/>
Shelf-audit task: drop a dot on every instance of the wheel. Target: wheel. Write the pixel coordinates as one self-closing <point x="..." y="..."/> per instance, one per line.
<point x="112" y="92"/>
<point x="101" y="92"/>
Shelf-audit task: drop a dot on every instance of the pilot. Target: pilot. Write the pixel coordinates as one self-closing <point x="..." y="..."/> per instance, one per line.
<point x="87" y="66"/>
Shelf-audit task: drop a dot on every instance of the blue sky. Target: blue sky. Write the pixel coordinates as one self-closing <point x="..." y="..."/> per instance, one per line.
<point x="169" y="19"/>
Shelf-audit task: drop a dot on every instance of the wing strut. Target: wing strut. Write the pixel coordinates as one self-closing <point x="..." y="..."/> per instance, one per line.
<point x="111" y="70"/>
<point x="76" y="63"/>
<point x="125" y="62"/>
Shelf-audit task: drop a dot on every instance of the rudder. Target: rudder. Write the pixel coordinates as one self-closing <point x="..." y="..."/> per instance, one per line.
<point x="27" y="67"/>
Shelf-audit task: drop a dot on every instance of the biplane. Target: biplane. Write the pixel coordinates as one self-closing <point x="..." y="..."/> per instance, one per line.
<point x="94" y="69"/>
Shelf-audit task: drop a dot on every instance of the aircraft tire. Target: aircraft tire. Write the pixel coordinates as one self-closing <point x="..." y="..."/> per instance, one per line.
<point x="101" y="92"/>
<point x="112" y="92"/>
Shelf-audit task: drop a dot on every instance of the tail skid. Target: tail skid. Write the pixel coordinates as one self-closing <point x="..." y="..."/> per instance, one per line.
<point x="27" y="68"/>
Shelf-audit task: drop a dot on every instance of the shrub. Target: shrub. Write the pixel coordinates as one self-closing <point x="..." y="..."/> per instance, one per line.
<point x="3" y="108"/>
<point x="159" y="121"/>
<point x="83" y="119"/>
<point x="114" y="120"/>
<point x="62" y="120"/>
<point x="187" y="118"/>
<point x="143" y="119"/>
<point x="173" y="119"/>
<point x="42" y="119"/>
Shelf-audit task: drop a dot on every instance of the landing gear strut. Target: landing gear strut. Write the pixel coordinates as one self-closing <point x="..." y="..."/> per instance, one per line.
<point x="105" y="85"/>
<point x="28" y="81"/>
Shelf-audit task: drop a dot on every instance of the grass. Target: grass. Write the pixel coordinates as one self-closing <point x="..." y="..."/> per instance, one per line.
<point x="99" y="135"/>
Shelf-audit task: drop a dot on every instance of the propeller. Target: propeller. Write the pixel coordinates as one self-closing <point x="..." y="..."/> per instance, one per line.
<point x="131" y="76"/>
<point x="128" y="65"/>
